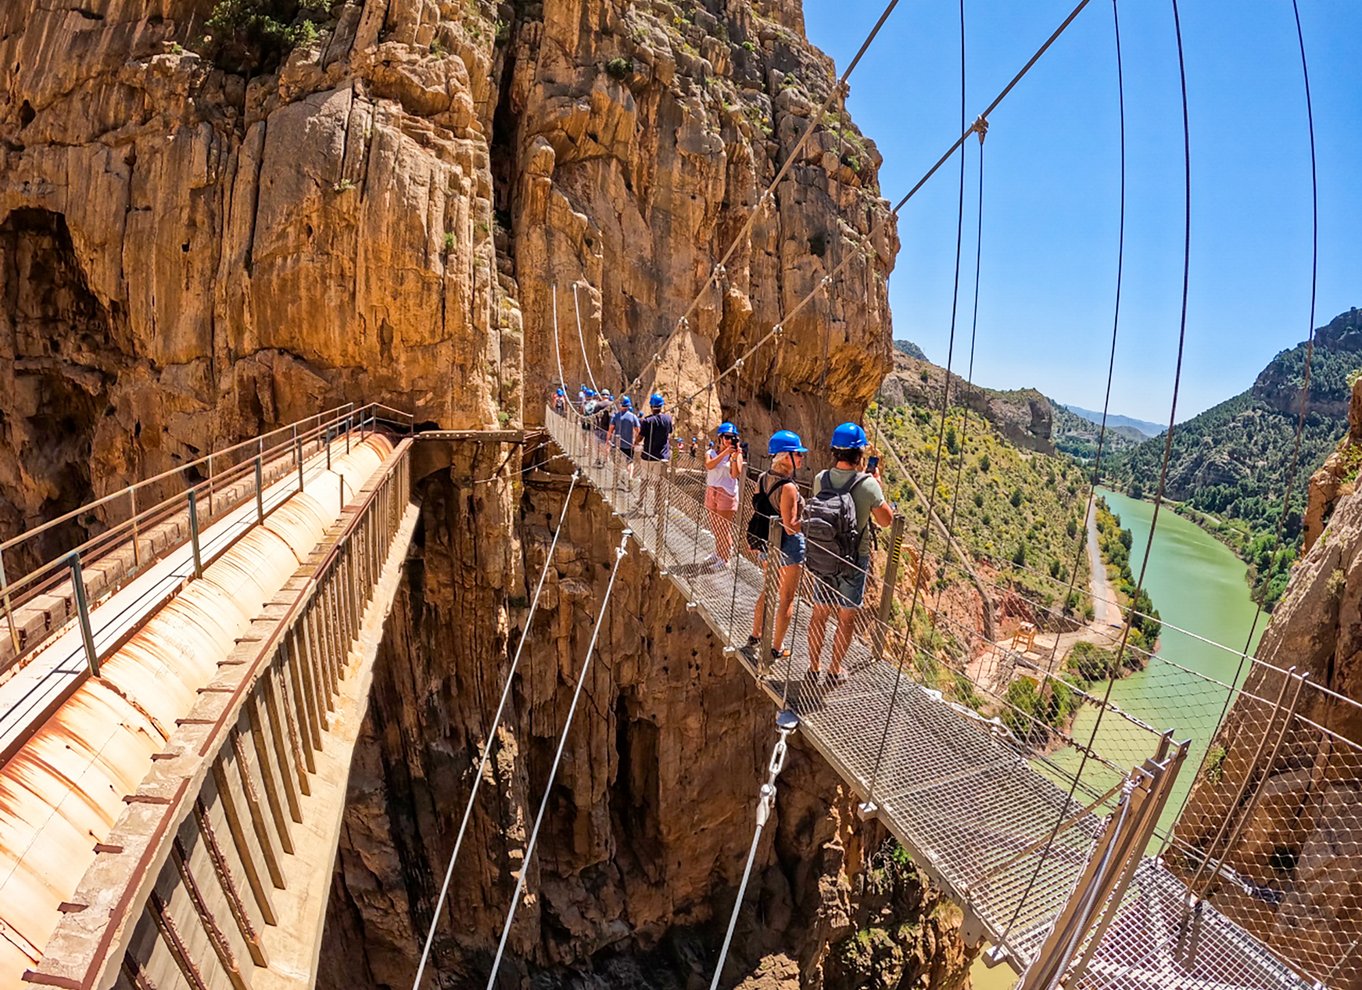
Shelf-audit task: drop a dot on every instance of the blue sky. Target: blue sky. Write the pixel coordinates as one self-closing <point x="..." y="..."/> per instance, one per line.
<point x="1051" y="185"/>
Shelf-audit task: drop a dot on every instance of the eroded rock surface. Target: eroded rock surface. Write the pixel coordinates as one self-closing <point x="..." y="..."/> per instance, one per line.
<point x="189" y="255"/>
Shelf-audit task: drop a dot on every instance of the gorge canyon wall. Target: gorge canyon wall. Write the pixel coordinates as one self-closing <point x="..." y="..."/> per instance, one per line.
<point x="194" y="247"/>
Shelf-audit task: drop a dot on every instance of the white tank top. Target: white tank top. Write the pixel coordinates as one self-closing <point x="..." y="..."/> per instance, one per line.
<point x="719" y="476"/>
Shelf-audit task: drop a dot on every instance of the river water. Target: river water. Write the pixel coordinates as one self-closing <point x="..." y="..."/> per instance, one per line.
<point x="1197" y="584"/>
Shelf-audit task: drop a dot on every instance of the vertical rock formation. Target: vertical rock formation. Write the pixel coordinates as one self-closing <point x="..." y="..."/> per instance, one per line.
<point x="1302" y="825"/>
<point x="193" y="250"/>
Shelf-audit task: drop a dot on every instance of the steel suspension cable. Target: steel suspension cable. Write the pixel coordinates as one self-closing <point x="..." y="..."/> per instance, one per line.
<point x="718" y="270"/>
<point x="557" y="347"/>
<point x="587" y="364"/>
<point x="827" y="280"/>
<point x="765" y="803"/>
<point x="1294" y="469"/>
<point x="491" y="735"/>
<point x="973" y="333"/>
<point x="940" y="438"/>
<point x="1172" y="415"/>
<point x="557" y="759"/>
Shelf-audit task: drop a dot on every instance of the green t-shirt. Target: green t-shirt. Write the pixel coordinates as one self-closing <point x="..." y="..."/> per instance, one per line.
<point x="867" y="496"/>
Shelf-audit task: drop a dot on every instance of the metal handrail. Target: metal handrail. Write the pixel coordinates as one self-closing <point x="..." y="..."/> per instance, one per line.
<point x="195" y="502"/>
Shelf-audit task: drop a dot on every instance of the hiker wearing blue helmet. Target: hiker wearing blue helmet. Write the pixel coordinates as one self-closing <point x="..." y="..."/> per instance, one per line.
<point x="605" y="411"/>
<point x="624" y="427"/>
<point x="723" y="467"/>
<point x="560" y="401"/>
<point x="845" y="501"/>
<point x="589" y="401"/>
<point x="777" y="496"/>
<point x="655" y="438"/>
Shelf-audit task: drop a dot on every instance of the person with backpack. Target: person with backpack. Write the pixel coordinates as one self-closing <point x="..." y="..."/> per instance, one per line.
<point x="624" y="427"/>
<point x="605" y="411"/>
<point x="655" y="437"/>
<point x="845" y="501"/>
<point x="777" y="496"/>
<point x="723" y="467"/>
<point x="560" y="401"/>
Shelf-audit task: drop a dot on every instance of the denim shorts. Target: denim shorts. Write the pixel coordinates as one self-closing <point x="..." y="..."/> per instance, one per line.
<point x="847" y="590"/>
<point x="791" y="549"/>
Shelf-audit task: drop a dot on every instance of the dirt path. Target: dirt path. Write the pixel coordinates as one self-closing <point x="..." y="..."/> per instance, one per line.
<point x="1104" y="613"/>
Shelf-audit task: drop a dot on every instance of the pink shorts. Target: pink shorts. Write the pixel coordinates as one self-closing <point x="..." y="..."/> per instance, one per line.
<point x="719" y="500"/>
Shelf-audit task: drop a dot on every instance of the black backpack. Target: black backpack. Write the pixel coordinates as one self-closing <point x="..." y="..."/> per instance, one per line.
<point x="830" y="532"/>
<point x="763" y="510"/>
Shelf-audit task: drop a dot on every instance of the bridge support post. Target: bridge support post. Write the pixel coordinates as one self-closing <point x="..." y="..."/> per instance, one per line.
<point x="132" y="515"/>
<point x="259" y="490"/>
<point x="770" y="582"/>
<point x="298" y="459"/>
<point x="194" y="533"/>
<point x="9" y="610"/>
<point x="87" y="636"/>
<point x="1097" y="898"/>
<point x="891" y="580"/>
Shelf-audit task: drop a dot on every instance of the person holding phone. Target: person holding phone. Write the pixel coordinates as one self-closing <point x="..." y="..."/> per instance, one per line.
<point x="723" y="467"/>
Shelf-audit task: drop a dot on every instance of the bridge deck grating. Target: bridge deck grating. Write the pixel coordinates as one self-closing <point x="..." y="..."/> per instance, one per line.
<point x="960" y="794"/>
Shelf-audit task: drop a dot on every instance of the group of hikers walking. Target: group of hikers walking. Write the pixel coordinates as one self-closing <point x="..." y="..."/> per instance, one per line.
<point x="828" y="534"/>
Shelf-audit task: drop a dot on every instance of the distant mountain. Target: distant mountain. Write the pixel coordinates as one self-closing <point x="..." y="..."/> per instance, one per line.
<point x="911" y="349"/>
<point x="1143" y="427"/>
<point x="1077" y="436"/>
<point x="1232" y="461"/>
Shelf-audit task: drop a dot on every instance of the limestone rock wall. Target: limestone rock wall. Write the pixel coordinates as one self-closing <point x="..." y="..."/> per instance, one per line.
<point x="189" y="254"/>
<point x="652" y="812"/>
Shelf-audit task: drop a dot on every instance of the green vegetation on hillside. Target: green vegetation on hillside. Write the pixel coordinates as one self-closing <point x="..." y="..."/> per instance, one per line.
<point x="1019" y="511"/>
<point x="1115" y="542"/>
<point x="1077" y="436"/>
<point x="1230" y="465"/>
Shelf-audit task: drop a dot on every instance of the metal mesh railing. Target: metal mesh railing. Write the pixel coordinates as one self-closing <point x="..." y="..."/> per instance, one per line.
<point x="929" y="727"/>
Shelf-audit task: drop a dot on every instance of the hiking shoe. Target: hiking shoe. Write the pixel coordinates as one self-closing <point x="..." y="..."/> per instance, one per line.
<point x="812" y="674"/>
<point x="835" y="680"/>
<point x="713" y="563"/>
<point x="750" y="649"/>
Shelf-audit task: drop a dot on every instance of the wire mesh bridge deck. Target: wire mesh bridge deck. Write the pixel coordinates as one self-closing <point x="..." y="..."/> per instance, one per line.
<point x="973" y="805"/>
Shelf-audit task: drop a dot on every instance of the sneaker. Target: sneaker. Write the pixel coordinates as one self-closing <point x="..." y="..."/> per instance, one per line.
<point x="835" y="680"/>
<point x="812" y="675"/>
<point x="712" y="563"/>
<point x="750" y="649"/>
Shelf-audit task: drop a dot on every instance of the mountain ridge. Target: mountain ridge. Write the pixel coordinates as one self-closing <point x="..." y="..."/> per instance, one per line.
<point x="1144" y="427"/>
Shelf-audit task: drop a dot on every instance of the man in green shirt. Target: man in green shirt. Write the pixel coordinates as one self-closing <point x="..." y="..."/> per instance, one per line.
<point x="847" y="592"/>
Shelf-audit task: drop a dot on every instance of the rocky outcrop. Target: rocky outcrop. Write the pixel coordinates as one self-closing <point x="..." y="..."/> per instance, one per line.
<point x="1337" y="476"/>
<point x="190" y="253"/>
<point x="1337" y="351"/>
<point x="1024" y="416"/>
<point x="652" y="812"/>
<point x="1296" y="846"/>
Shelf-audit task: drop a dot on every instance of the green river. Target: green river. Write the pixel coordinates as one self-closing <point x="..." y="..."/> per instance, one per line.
<point x="1198" y="585"/>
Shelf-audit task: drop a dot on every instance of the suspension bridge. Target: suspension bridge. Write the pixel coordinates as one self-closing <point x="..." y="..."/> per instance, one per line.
<point x="179" y="726"/>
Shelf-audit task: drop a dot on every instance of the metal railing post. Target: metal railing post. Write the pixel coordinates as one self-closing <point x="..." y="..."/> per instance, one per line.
<point x="259" y="490"/>
<point x="349" y="424"/>
<point x="298" y="459"/>
<point x="210" y="484"/>
<point x="87" y="635"/>
<point x="891" y="579"/>
<point x="771" y="582"/>
<point x="327" y="440"/>
<point x="132" y="509"/>
<point x="194" y="533"/>
<point x="9" y="610"/>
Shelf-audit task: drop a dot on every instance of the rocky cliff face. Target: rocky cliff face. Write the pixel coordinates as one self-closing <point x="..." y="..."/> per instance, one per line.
<point x="191" y="251"/>
<point x="1296" y="847"/>
<point x="1024" y="416"/>
<point x="1337" y="476"/>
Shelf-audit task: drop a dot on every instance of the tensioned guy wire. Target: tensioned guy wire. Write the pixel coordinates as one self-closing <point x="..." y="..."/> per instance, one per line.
<point x="557" y="760"/>
<point x="1305" y="388"/>
<point x="491" y="735"/>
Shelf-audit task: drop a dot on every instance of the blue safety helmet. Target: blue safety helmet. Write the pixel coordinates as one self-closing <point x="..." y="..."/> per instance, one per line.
<point x="655" y="400"/>
<point x="848" y="436"/>
<point x="560" y="391"/>
<point x="785" y="442"/>
<point x="627" y="402"/>
<point x="589" y="393"/>
<point x="727" y="430"/>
